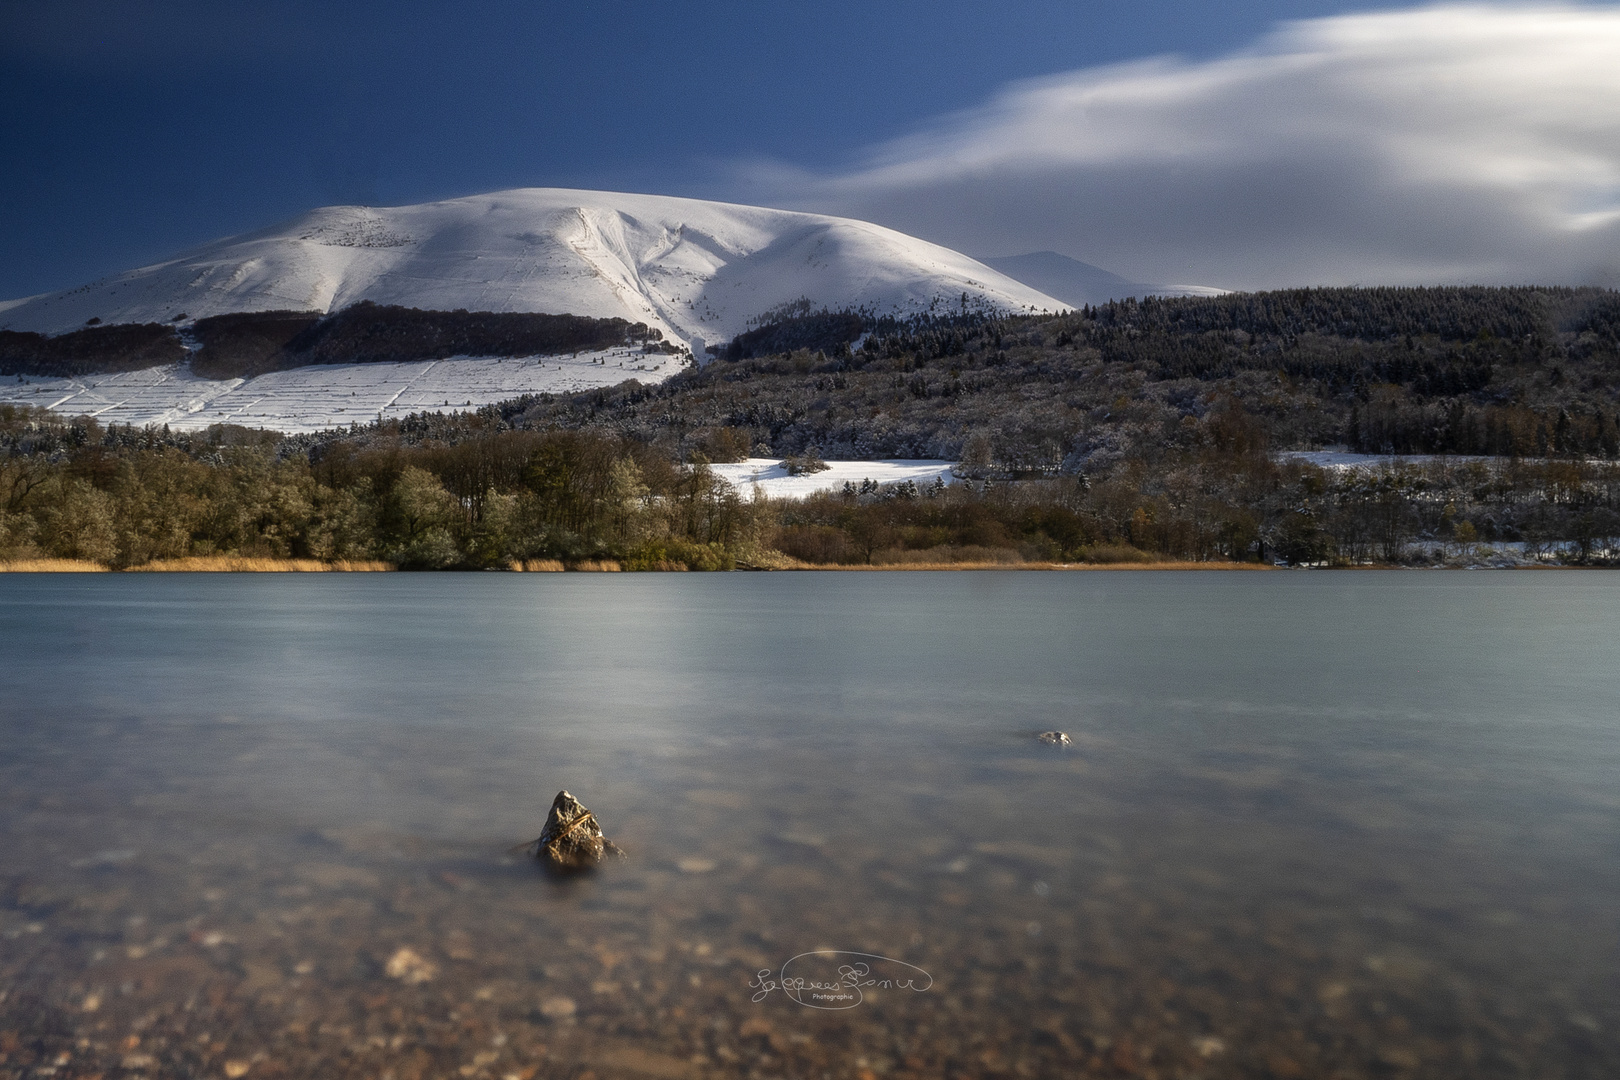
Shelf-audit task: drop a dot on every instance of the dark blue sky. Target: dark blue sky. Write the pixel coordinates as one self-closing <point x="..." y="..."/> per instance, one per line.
<point x="132" y="130"/>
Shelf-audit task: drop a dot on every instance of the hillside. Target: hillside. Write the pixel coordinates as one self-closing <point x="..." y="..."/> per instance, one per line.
<point x="1124" y="433"/>
<point x="1443" y="370"/>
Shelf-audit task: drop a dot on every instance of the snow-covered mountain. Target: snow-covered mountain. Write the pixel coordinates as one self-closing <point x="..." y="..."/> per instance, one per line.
<point x="1076" y="283"/>
<point x="698" y="271"/>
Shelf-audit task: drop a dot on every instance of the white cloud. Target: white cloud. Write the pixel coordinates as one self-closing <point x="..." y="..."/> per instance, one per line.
<point x="1442" y="144"/>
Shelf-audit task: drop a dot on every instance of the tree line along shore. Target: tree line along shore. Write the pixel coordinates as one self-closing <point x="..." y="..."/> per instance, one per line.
<point x="1132" y="434"/>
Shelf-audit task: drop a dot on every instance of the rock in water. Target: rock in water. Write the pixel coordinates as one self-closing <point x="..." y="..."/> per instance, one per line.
<point x="1054" y="738"/>
<point x="572" y="840"/>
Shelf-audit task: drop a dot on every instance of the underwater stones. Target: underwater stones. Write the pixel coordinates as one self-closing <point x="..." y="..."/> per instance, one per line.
<point x="1054" y="738"/>
<point x="558" y="1008"/>
<point x="408" y="966"/>
<point x="572" y="840"/>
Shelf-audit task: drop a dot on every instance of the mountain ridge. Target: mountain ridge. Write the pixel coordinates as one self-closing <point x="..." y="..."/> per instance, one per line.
<point x="700" y="272"/>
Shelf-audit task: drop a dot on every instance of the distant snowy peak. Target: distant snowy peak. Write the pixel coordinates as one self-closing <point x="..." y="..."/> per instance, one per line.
<point x="1076" y="283"/>
<point x="698" y="271"/>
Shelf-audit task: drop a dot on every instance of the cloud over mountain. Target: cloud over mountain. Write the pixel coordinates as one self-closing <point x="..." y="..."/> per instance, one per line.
<point x="1442" y="144"/>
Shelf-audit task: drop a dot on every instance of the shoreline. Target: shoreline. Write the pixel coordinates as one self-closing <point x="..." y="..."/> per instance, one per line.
<point x="233" y="565"/>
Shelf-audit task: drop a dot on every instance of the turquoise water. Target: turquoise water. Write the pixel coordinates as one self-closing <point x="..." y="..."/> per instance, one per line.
<point x="1312" y="824"/>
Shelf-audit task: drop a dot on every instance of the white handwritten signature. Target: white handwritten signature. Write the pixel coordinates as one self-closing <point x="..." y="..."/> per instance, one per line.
<point x="844" y="987"/>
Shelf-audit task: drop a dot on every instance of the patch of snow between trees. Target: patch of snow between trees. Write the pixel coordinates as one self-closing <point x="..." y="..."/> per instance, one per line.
<point x="772" y="477"/>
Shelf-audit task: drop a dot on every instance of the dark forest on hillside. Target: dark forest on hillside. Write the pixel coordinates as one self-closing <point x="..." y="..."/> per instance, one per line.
<point x="366" y="333"/>
<point x="127" y="347"/>
<point x="252" y="343"/>
<point x="1501" y="372"/>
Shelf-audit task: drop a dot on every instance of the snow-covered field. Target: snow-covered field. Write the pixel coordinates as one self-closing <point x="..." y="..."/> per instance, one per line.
<point x="775" y="481"/>
<point x="1341" y="459"/>
<point x="698" y="271"/>
<point x="320" y="397"/>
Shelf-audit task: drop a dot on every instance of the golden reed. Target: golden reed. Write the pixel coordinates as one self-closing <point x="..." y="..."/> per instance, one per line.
<point x="50" y="566"/>
<point x="1167" y="565"/>
<point x="241" y="564"/>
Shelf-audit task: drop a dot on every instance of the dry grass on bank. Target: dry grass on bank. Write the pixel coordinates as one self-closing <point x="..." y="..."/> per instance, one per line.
<point x="50" y="566"/>
<point x="599" y="566"/>
<point x="918" y="560"/>
<point x="241" y="564"/>
<point x="1176" y="565"/>
<point x="948" y="555"/>
<point x="951" y="557"/>
<point x="774" y="560"/>
<point x="1168" y="564"/>
<point x="536" y="566"/>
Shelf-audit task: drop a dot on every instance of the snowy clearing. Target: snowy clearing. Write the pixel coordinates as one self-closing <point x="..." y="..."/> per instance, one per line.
<point x="326" y="396"/>
<point x="774" y="480"/>
<point x="1341" y="459"/>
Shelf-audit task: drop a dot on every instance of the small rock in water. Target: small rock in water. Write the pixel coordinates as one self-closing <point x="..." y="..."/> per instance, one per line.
<point x="558" y="1008"/>
<point x="572" y="840"/>
<point x="1054" y="738"/>
<point x="408" y="966"/>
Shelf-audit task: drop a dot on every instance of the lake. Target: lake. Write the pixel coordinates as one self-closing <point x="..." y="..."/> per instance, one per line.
<point x="1312" y="824"/>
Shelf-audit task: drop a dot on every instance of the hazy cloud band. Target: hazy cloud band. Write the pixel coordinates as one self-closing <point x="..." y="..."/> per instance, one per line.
<point x="1443" y="144"/>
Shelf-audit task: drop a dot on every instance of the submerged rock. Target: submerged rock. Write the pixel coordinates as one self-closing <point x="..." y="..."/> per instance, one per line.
<point x="407" y="966"/>
<point x="572" y="840"/>
<point x="1054" y="738"/>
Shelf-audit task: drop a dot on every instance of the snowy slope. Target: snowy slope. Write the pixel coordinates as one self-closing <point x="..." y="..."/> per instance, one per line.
<point x="323" y="396"/>
<point x="1077" y="283"/>
<point x="698" y="271"/>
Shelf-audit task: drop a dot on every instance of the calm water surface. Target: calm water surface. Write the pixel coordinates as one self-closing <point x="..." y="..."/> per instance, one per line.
<point x="1312" y="825"/>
